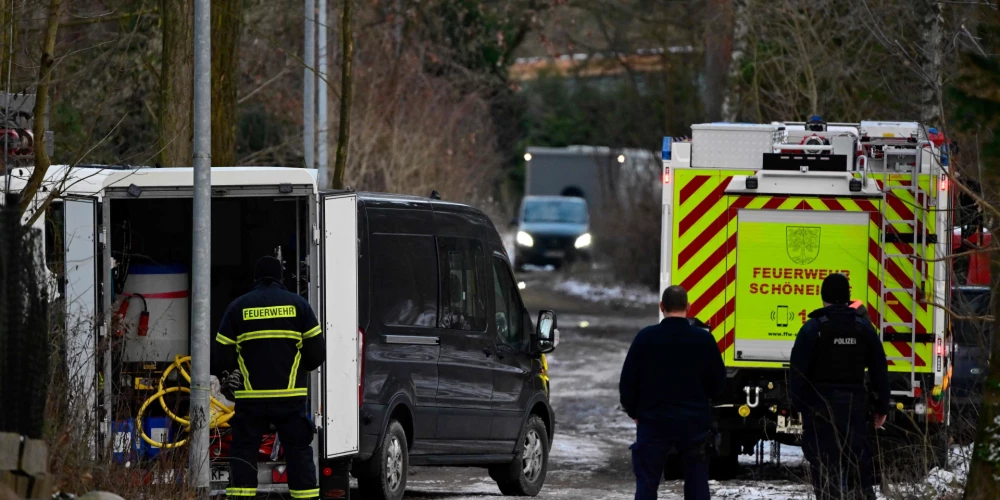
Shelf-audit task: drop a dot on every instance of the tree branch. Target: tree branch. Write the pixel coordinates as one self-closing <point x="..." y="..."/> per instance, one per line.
<point x="42" y="160"/>
<point x="104" y="19"/>
<point x="955" y="315"/>
<point x="262" y="86"/>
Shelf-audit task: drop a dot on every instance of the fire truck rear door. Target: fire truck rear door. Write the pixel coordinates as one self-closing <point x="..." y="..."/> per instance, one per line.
<point x="782" y="258"/>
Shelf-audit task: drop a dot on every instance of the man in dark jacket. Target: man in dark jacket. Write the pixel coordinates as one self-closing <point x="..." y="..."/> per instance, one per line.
<point x="672" y="372"/>
<point x="274" y="338"/>
<point x="827" y="372"/>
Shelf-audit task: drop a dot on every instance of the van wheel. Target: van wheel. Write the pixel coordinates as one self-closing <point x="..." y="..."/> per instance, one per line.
<point x="526" y="474"/>
<point x="385" y="478"/>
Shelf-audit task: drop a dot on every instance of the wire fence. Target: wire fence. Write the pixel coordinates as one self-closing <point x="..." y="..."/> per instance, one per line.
<point x="24" y="327"/>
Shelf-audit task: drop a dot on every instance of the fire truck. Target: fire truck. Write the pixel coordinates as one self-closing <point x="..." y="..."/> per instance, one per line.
<point x="756" y="215"/>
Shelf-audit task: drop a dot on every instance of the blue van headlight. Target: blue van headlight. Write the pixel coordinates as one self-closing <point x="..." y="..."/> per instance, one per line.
<point x="583" y="241"/>
<point x="524" y="239"/>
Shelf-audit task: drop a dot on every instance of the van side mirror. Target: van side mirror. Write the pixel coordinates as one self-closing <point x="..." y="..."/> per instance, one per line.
<point x="546" y="332"/>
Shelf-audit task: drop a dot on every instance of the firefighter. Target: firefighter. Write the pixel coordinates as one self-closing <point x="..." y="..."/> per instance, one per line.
<point x="827" y="370"/>
<point x="671" y="373"/>
<point x="272" y="335"/>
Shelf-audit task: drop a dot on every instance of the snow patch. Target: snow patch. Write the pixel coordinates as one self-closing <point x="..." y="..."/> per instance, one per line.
<point x="791" y="456"/>
<point x="760" y="490"/>
<point x="940" y="482"/>
<point x="578" y="451"/>
<point x="593" y="292"/>
<point x="539" y="269"/>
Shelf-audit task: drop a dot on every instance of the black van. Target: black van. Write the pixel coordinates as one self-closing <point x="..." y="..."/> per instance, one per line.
<point x="452" y="369"/>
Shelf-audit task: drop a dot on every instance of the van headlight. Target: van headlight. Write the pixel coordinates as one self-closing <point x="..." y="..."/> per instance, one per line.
<point x="524" y="239"/>
<point x="583" y="241"/>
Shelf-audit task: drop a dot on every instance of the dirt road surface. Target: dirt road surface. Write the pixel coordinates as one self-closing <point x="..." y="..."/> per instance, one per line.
<point x="590" y="458"/>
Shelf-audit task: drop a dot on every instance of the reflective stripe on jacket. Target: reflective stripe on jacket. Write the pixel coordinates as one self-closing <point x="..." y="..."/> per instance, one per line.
<point x="272" y="335"/>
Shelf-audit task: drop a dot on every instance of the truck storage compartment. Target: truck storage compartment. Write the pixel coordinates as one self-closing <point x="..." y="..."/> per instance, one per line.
<point x="157" y="232"/>
<point x="150" y="240"/>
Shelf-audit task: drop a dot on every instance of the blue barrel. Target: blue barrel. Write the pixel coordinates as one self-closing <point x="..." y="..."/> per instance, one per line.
<point x="158" y="429"/>
<point x="124" y="441"/>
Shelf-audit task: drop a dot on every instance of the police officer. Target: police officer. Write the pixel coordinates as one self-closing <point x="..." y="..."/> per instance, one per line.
<point x="671" y="373"/>
<point x="274" y="338"/>
<point x="827" y="386"/>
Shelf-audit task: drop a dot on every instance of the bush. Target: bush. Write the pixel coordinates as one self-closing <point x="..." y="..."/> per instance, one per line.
<point x="630" y="224"/>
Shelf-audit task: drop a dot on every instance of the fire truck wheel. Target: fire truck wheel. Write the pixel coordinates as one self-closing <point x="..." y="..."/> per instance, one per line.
<point x="385" y="478"/>
<point x="526" y="474"/>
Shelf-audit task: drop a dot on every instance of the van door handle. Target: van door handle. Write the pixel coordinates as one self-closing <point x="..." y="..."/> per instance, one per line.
<point x="487" y="351"/>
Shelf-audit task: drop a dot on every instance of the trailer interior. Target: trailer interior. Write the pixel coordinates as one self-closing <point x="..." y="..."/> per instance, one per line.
<point x="158" y="231"/>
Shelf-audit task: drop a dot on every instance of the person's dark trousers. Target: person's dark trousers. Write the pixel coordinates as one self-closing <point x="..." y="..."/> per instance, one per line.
<point x="654" y="442"/>
<point x="836" y="443"/>
<point x="249" y="425"/>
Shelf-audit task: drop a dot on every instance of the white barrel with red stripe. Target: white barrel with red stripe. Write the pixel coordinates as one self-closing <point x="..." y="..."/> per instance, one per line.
<point x="167" y="298"/>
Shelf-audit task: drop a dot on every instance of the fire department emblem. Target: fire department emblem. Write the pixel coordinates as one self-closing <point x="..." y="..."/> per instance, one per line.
<point x="802" y="243"/>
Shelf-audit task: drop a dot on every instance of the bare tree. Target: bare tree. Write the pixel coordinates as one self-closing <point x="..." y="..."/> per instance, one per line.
<point x="828" y="57"/>
<point x="8" y="39"/>
<point x="227" y="26"/>
<point x="176" y="92"/>
<point x="413" y="131"/>
<point x="931" y="17"/>
<point x="346" y="94"/>
<point x="718" y="54"/>
<point x="732" y="103"/>
<point x="42" y="161"/>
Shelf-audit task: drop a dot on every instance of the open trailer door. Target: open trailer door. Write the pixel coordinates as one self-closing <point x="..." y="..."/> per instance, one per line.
<point x="80" y="298"/>
<point x="339" y="289"/>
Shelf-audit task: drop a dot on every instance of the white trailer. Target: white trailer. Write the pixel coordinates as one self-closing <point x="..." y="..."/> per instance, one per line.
<point x="105" y="220"/>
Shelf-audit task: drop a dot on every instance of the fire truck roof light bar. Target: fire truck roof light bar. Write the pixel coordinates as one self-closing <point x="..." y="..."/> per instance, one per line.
<point x="830" y="124"/>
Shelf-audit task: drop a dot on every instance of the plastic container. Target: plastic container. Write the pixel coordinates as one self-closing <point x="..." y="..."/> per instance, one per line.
<point x="165" y="289"/>
<point x="124" y="441"/>
<point x="158" y="429"/>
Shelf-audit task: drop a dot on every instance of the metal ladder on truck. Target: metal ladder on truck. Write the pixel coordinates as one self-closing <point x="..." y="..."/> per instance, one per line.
<point x="915" y="260"/>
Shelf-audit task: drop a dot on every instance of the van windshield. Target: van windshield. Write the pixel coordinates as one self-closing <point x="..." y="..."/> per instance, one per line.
<point x="572" y="212"/>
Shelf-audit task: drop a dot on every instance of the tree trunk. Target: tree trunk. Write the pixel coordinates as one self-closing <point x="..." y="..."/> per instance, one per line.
<point x="985" y="466"/>
<point x="227" y="26"/>
<point x="732" y="103"/>
<point x="668" y="93"/>
<point x="176" y="99"/>
<point x="8" y="38"/>
<point x="45" y="65"/>
<point x="932" y="22"/>
<point x="346" y="94"/>
<point x="718" y="52"/>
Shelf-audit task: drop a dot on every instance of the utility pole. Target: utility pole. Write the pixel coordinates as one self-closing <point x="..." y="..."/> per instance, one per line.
<point x="323" y="119"/>
<point x="198" y="468"/>
<point x="309" y="86"/>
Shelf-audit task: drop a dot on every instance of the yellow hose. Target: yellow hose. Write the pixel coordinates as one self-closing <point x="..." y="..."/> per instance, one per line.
<point x="220" y="413"/>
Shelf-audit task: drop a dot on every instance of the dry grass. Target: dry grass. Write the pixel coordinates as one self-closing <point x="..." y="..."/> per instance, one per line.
<point x="80" y="462"/>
